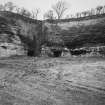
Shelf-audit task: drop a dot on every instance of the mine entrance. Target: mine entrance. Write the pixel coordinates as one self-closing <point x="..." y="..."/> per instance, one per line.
<point x="57" y="53"/>
<point x="30" y="53"/>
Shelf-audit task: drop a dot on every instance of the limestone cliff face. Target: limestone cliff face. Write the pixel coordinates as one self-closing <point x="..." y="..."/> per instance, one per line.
<point x="21" y="36"/>
<point x="82" y="32"/>
<point x="21" y="32"/>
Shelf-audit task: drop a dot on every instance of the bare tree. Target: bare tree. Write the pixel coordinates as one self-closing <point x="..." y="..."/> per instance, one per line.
<point x="1" y="7"/>
<point x="92" y="11"/>
<point x="18" y="10"/>
<point x="9" y="6"/>
<point x="68" y="16"/>
<point x="34" y="13"/>
<point x="99" y="8"/>
<point x="88" y="13"/>
<point x="49" y="15"/>
<point x="25" y="12"/>
<point x="60" y="7"/>
<point x="84" y="13"/>
<point x="104" y="9"/>
<point x="77" y="15"/>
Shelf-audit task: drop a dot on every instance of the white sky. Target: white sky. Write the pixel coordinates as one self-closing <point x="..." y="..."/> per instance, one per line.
<point x="45" y="5"/>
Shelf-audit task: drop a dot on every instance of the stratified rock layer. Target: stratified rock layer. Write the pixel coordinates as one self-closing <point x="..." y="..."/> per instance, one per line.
<point x="28" y="35"/>
<point x="23" y="33"/>
<point x="81" y="32"/>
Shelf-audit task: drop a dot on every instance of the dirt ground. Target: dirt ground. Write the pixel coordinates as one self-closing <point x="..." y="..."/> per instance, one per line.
<point x="52" y="81"/>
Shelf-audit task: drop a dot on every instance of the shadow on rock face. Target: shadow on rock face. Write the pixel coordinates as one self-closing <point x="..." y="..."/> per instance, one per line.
<point x="57" y="53"/>
<point x="30" y="53"/>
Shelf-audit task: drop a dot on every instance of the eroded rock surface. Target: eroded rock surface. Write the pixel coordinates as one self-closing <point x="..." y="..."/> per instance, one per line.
<point x="20" y="32"/>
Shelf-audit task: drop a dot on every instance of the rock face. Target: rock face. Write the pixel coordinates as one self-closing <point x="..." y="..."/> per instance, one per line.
<point x="19" y="35"/>
<point x="9" y="49"/>
<point x="81" y="32"/>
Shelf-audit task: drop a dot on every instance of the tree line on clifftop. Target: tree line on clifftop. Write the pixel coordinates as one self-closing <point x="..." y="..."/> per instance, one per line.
<point x="57" y="11"/>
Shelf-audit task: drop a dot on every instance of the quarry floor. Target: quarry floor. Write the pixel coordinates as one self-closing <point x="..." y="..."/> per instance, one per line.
<point x="52" y="81"/>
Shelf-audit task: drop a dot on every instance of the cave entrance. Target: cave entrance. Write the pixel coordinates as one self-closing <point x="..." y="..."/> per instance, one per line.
<point x="57" y="53"/>
<point x="30" y="53"/>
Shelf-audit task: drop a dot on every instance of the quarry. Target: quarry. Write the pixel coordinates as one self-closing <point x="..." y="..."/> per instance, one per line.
<point x="58" y="62"/>
<point x="23" y="36"/>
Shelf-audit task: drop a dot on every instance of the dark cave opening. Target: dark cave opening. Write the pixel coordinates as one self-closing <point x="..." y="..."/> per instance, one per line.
<point x="57" y="53"/>
<point x="30" y="53"/>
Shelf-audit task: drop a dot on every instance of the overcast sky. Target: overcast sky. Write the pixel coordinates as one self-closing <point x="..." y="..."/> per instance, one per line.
<point x="44" y="5"/>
